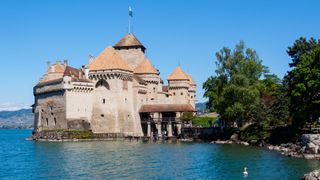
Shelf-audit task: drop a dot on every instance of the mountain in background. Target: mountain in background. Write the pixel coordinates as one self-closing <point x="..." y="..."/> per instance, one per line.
<point x="201" y="107"/>
<point x="22" y="119"/>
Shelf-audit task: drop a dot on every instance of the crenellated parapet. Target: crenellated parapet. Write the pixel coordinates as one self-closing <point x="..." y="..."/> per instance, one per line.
<point x="110" y="74"/>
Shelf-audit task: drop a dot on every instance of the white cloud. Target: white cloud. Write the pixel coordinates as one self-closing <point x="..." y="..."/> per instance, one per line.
<point x="13" y="106"/>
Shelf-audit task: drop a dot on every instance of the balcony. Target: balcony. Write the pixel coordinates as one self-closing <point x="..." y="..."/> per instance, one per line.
<point x="158" y="120"/>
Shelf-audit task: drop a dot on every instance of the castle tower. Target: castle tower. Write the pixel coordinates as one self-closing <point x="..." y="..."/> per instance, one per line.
<point x="131" y="50"/>
<point x="150" y="75"/>
<point x="113" y="110"/>
<point x="192" y="91"/>
<point x="178" y="84"/>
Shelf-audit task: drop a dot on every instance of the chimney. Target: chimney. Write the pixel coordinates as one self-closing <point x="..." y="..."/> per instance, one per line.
<point x="48" y="64"/>
<point x="91" y="58"/>
<point x="65" y="62"/>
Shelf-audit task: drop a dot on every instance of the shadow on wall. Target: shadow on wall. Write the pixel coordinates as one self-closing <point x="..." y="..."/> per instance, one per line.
<point x="79" y="124"/>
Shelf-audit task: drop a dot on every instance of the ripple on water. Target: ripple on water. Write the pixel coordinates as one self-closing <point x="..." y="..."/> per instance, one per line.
<point x="22" y="159"/>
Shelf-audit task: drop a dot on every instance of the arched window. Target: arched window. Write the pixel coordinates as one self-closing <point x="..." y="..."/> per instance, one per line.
<point x="103" y="83"/>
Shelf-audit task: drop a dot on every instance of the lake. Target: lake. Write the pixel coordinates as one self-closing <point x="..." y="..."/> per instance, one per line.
<point x="21" y="159"/>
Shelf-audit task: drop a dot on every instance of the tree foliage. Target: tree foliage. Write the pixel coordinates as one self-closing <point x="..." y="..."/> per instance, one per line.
<point x="235" y="91"/>
<point x="303" y="80"/>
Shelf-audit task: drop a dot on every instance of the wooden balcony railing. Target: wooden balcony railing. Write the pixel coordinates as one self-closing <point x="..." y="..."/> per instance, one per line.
<point x="164" y="119"/>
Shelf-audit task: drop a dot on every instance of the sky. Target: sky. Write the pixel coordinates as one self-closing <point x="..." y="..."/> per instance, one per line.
<point x="181" y="32"/>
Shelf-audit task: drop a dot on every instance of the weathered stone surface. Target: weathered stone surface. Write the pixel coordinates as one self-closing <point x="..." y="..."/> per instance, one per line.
<point x="311" y="142"/>
<point x="107" y="99"/>
<point x="314" y="175"/>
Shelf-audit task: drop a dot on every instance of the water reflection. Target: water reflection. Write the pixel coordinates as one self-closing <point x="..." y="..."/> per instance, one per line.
<point x="142" y="160"/>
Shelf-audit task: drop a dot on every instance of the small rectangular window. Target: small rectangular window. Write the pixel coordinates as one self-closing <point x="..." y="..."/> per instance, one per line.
<point x="125" y="85"/>
<point x="103" y="100"/>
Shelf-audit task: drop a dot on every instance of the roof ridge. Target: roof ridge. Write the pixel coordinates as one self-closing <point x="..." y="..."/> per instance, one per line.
<point x="192" y="82"/>
<point x="178" y="74"/>
<point x="145" y="67"/>
<point x="109" y="59"/>
<point x="128" y="40"/>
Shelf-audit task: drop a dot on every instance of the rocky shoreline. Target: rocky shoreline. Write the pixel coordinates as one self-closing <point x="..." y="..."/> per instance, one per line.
<point x="314" y="175"/>
<point x="307" y="147"/>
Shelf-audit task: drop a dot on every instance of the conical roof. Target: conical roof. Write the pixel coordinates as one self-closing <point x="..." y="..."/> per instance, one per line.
<point x="145" y="67"/>
<point x="191" y="81"/>
<point x="109" y="59"/>
<point x="128" y="40"/>
<point x="178" y="74"/>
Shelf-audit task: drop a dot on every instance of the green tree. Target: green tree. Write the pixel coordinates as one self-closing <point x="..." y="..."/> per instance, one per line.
<point x="303" y="80"/>
<point x="236" y="89"/>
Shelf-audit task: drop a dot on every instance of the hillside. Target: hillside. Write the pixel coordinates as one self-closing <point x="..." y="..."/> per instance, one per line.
<point x="21" y="119"/>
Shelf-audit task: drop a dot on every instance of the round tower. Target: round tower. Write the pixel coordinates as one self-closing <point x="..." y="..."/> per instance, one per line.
<point x="150" y="75"/>
<point x="192" y="91"/>
<point x="178" y="85"/>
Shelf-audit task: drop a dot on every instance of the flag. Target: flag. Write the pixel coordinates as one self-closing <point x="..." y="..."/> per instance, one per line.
<point x="130" y="12"/>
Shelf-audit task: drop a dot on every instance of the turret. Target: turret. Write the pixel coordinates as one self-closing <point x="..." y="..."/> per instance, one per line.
<point x="131" y="50"/>
<point x="178" y="84"/>
<point x="192" y="91"/>
<point x="150" y="75"/>
<point x="113" y="103"/>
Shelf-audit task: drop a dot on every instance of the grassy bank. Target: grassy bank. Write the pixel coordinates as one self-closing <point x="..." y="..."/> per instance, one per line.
<point x="203" y="121"/>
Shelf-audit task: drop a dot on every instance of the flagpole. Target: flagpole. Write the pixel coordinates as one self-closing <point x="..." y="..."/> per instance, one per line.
<point x="130" y="16"/>
<point x="129" y="24"/>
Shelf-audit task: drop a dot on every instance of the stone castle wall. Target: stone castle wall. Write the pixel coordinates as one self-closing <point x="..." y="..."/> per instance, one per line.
<point x="50" y="111"/>
<point x="108" y="101"/>
<point x="132" y="56"/>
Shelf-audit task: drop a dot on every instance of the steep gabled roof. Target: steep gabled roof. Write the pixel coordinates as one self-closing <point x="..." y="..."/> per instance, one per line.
<point x="72" y="72"/>
<point x="128" y="40"/>
<point x="109" y="59"/>
<point x="191" y="81"/>
<point x="178" y="74"/>
<point x="57" y="68"/>
<point x="145" y="67"/>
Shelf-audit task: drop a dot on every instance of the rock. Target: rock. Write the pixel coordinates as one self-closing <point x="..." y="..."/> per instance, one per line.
<point x="253" y="142"/>
<point x="244" y="143"/>
<point x="234" y="137"/>
<point x="309" y="156"/>
<point x="314" y="175"/>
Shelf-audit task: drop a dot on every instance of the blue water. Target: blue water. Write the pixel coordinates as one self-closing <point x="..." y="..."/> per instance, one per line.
<point x="21" y="159"/>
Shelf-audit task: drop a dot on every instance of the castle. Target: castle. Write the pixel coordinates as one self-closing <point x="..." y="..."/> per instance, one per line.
<point x="119" y="91"/>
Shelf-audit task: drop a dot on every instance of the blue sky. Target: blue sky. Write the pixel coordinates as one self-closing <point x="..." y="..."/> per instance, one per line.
<point x="186" y="32"/>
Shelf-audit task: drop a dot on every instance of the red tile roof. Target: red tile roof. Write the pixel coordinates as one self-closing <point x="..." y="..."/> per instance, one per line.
<point x="167" y="108"/>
